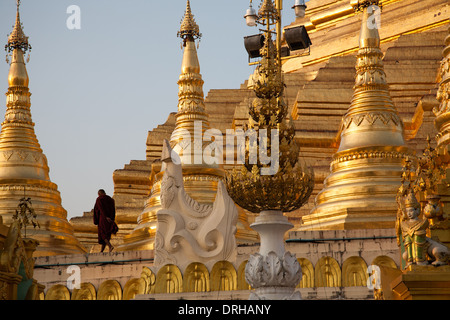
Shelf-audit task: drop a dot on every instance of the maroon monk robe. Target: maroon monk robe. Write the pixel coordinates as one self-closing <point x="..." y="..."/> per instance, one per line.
<point x="105" y="208"/>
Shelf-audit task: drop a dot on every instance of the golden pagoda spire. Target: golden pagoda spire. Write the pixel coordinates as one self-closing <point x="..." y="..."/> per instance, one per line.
<point x="200" y="178"/>
<point x="17" y="39"/>
<point x="366" y="170"/>
<point x="372" y="119"/>
<point x="24" y="171"/>
<point x="191" y="108"/>
<point x="189" y="28"/>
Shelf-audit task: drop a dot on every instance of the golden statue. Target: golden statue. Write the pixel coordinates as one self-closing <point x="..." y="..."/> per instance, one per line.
<point x="414" y="231"/>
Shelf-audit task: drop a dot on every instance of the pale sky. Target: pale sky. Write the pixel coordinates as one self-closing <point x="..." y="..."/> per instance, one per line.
<point x="97" y="91"/>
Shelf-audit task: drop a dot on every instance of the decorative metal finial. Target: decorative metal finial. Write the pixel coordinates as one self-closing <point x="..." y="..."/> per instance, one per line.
<point x="359" y="5"/>
<point x="17" y="39"/>
<point x="189" y="28"/>
<point x="286" y="186"/>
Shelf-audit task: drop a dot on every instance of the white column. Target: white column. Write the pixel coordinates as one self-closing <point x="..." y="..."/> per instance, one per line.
<point x="273" y="273"/>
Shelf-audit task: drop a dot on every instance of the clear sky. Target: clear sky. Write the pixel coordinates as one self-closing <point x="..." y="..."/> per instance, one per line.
<point x="97" y="91"/>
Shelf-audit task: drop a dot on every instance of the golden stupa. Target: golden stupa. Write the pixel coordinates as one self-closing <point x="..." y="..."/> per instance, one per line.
<point x="366" y="169"/>
<point x="200" y="178"/>
<point x="24" y="172"/>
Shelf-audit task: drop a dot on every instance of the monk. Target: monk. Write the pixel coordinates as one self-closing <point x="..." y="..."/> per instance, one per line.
<point x="104" y="216"/>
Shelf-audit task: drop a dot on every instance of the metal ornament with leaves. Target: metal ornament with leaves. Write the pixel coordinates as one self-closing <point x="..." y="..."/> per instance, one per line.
<point x="26" y="215"/>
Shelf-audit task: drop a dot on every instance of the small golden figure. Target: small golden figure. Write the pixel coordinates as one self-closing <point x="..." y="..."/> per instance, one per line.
<point x="419" y="249"/>
<point x="414" y="232"/>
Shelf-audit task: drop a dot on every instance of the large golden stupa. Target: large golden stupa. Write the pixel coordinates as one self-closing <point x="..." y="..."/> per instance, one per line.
<point x="24" y="172"/>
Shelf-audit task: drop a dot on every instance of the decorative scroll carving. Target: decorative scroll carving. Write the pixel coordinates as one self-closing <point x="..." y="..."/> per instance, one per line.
<point x="190" y="231"/>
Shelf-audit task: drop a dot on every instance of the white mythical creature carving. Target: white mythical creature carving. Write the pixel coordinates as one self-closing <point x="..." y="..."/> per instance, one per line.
<point x="188" y="231"/>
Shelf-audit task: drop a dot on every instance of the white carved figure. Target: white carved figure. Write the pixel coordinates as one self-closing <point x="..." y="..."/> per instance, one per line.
<point x="438" y="252"/>
<point x="188" y="231"/>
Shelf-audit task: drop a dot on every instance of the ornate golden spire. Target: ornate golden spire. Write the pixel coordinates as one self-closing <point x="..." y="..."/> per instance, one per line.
<point x="24" y="170"/>
<point x="17" y="39"/>
<point x="366" y="171"/>
<point x="191" y="108"/>
<point x="200" y="179"/>
<point x="372" y="119"/>
<point x="189" y="28"/>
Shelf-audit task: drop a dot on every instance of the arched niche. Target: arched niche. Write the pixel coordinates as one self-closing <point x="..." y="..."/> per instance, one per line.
<point x="85" y="292"/>
<point x="109" y="290"/>
<point x="169" y="280"/>
<point x="149" y="279"/>
<point x="307" y="273"/>
<point x="196" y="278"/>
<point x="133" y="287"/>
<point x="354" y="272"/>
<point x="327" y="273"/>
<point x="223" y="277"/>
<point x="58" y="292"/>
<point x="384" y="261"/>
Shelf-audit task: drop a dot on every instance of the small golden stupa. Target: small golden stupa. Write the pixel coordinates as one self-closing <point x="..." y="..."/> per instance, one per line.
<point x="366" y="169"/>
<point x="24" y="172"/>
<point x="200" y="178"/>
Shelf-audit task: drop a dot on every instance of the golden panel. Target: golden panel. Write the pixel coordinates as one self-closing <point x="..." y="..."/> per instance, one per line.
<point x="150" y="280"/>
<point x="384" y="261"/>
<point x="223" y="277"/>
<point x="109" y="290"/>
<point x="307" y="273"/>
<point x="241" y="282"/>
<point x="133" y="287"/>
<point x="354" y="272"/>
<point x="58" y="292"/>
<point x="327" y="273"/>
<point x="196" y="278"/>
<point x="86" y="292"/>
<point x="169" y="280"/>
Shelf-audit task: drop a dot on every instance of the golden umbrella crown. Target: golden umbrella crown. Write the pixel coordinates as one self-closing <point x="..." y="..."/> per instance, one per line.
<point x="189" y="28"/>
<point x="17" y="39"/>
<point x="283" y="183"/>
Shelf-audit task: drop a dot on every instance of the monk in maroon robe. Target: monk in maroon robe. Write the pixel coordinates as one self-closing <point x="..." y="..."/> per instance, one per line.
<point x="104" y="216"/>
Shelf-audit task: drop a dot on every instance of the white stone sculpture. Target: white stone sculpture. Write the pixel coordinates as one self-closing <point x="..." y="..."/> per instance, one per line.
<point x="273" y="273"/>
<point x="188" y="231"/>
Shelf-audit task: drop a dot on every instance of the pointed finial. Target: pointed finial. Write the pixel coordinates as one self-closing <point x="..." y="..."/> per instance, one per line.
<point x="411" y="200"/>
<point x="189" y="28"/>
<point x="17" y="39"/>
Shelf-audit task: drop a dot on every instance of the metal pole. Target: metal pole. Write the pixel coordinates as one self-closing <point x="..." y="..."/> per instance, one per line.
<point x="279" y="7"/>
